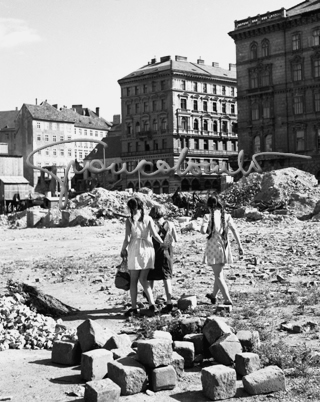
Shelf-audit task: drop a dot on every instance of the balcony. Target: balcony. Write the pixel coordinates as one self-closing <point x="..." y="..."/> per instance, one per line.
<point x="207" y="152"/>
<point x="260" y="19"/>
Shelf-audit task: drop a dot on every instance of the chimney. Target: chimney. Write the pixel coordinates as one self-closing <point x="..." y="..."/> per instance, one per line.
<point x="200" y="61"/>
<point x="78" y="108"/>
<point x="56" y="106"/>
<point x="215" y="64"/>
<point x="36" y="101"/>
<point x="165" y="58"/>
<point x="153" y="61"/>
<point x="232" y="67"/>
<point x="116" y="119"/>
<point x="98" y="111"/>
<point x="181" y="58"/>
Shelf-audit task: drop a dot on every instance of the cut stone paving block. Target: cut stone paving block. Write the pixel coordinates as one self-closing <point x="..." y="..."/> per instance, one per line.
<point x="197" y="340"/>
<point x="264" y="381"/>
<point x="66" y="352"/>
<point x="190" y="325"/>
<point x="177" y="363"/>
<point x="186" y="302"/>
<point x="214" y="328"/>
<point x="250" y="340"/>
<point x="129" y="374"/>
<point x="94" y="364"/>
<point x="155" y="352"/>
<point x="118" y="341"/>
<point x="186" y="350"/>
<point x="102" y="391"/>
<point x="247" y="363"/>
<point x="219" y="382"/>
<point x="224" y="350"/>
<point x="122" y="352"/>
<point x="163" y="378"/>
<point x="92" y="336"/>
<point x="162" y="335"/>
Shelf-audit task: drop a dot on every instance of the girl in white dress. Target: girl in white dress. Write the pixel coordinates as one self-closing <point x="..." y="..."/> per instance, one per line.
<point x="218" y="251"/>
<point x="138" y="239"/>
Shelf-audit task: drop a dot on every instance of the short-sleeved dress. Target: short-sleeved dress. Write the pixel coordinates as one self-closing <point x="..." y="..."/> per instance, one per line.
<point x="163" y="256"/>
<point x="216" y="252"/>
<point x="141" y="253"/>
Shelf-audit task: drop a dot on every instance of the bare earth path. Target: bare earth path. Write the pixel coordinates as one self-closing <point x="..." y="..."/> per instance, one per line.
<point x="77" y="266"/>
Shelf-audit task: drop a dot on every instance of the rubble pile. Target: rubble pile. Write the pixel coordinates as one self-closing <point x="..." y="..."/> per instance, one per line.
<point x="23" y="328"/>
<point x="243" y="192"/>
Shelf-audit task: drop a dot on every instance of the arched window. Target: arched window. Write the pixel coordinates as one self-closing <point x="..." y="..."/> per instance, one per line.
<point x="196" y="124"/>
<point x="195" y="185"/>
<point x="137" y="127"/>
<point x="215" y="126"/>
<point x="253" y="51"/>
<point x="146" y="125"/>
<point x="265" y="46"/>
<point x="156" y="187"/>
<point x="155" y="125"/>
<point x="165" y="187"/>
<point x="268" y="143"/>
<point x="129" y="128"/>
<point x="185" y="186"/>
<point x="256" y="144"/>
<point x="205" y="125"/>
<point x="164" y="124"/>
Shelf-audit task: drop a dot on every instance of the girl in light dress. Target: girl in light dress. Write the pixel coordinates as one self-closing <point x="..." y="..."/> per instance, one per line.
<point x="138" y="248"/>
<point x="218" y="251"/>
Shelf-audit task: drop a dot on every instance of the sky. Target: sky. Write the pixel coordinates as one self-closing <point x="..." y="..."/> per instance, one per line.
<point x="75" y="51"/>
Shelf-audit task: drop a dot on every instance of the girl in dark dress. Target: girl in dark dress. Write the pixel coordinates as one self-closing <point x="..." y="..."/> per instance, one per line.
<point x="163" y="254"/>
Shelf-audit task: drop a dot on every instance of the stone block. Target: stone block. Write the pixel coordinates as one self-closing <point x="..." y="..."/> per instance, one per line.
<point x="163" y="378"/>
<point x="186" y="302"/>
<point x="162" y="335"/>
<point x="214" y="327"/>
<point x="177" y="363"/>
<point x="155" y="352"/>
<point x="94" y="364"/>
<point x="92" y="336"/>
<point x="190" y="325"/>
<point x="122" y="352"/>
<point x="250" y="340"/>
<point x="219" y="382"/>
<point x="264" y="381"/>
<point x="198" y="342"/>
<point x="102" y="391"/>
<point x="118" y="341"/>
<point x="129" y="374"/>
<point x="186" y="350"/>
<point x="66" y="352"/>
<point x="225" y="349"/>
<point x="246" y="363"/>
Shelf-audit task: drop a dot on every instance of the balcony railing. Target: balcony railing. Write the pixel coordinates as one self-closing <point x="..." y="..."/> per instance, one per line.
<point x="192" y="152"/>
<point x="261" y="18"/>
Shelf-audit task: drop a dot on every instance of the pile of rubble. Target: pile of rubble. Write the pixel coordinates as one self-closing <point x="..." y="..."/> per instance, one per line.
<point x="23" y="328"/>
<point x="113" y="365"/>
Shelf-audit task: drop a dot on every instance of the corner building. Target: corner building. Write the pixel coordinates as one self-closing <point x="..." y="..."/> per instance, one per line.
<point x="278" y="72"/>
<point x="172" y="104"/>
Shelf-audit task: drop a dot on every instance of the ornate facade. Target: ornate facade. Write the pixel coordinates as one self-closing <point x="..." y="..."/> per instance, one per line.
<point x="278" y="72"/>
<point x="172" y="104"/>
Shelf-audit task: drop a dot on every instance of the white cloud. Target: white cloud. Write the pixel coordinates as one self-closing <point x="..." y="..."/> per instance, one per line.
<point x="15" y="32"/>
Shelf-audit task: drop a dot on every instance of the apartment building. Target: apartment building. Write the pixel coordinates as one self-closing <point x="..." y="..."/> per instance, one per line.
<point x="278" y="72"/>
<point x="41" y="125"/>
<point x="171" y="104"/>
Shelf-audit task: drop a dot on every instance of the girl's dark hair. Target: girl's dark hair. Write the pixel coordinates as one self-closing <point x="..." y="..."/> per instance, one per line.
<point x="212" y="203"/>
<point x="156" y="212"/>
<point x="133" y="204"/>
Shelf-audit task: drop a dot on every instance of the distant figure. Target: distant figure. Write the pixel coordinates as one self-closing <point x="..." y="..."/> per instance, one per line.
<point x="218" y="251"/>
<point x="140" y="253"/>
<point x="163" y="254"/>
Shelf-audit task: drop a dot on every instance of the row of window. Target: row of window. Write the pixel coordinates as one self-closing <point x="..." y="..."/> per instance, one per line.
<point x="61" y="127"/>
<point x="260" y="77"/>
<point x="145" y="146"/>
<point x="224" y="108"/>
<point x="297" y="68"/>
<point x="296" y="42"/>
<point x="145" y="107"/>
<point x="207" y="125"/>
<point x="194" y="86"/>
<point x="55" y="152"/>
<point x="145" y="126"/>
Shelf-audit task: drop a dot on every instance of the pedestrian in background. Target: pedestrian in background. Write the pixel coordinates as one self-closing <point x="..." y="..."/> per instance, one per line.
<point x="141" y="256"/>
<point x="163" y="254"/>
<point x="218" y="251"/>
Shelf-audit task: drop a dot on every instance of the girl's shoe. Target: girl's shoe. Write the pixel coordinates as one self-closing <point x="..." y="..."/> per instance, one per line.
<point x="167" y="309"/>
<point x="153" y="309"/>
<point x="211" y="298"/>
<point x="131" y="311"/>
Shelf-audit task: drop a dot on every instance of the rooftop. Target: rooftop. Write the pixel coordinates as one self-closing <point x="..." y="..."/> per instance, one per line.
<point x="7" y="119"/>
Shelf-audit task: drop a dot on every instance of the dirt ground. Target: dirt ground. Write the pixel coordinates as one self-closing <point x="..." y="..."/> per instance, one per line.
<point x="77" y="266"/>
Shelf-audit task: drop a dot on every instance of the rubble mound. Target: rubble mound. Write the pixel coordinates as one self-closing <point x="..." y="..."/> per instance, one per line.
<point x="243" y="192"/>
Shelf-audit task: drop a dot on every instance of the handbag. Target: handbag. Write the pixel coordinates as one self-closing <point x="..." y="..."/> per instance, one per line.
<point x="122" y="279"/>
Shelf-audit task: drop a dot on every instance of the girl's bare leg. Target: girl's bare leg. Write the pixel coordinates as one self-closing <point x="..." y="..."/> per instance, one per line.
<point x="134" y="277"/>
<point x="168" y="289"/>
<point x="219" y="282"/>
<point x="143" y="278"/>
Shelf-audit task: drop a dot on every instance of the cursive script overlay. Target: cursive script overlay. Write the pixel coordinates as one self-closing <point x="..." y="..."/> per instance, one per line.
<point x="194" y="168"/>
